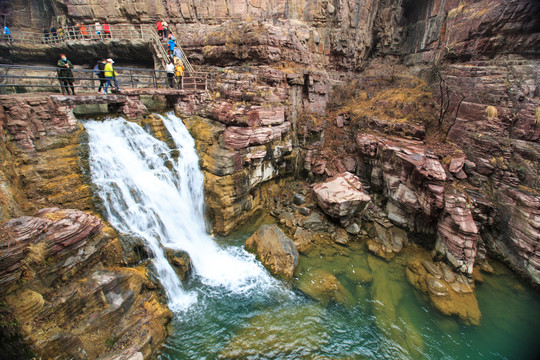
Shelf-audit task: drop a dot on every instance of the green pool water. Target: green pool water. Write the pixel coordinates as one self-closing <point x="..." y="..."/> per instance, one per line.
<point x="381" y="319"/>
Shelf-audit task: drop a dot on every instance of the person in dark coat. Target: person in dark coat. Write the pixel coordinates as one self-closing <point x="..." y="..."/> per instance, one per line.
<point x="65" y="74"/>
<point x="101" y="75"/>
<point x="45" y="35"/>
<point x="53" y="34"/>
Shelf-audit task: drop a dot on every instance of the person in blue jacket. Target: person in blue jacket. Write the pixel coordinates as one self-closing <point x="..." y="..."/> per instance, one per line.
<point x="7" y="33"/>
<point x="172" y="45"/>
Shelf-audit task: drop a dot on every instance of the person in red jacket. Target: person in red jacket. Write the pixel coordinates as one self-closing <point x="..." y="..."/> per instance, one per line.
<point x="160" y="29"/>
<point x="107" y="30"/>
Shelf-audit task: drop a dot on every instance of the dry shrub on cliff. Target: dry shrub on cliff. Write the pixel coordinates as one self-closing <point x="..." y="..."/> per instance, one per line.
<point x="396" y="104"/>
<point x="491" y="112"/>
<point x="36" y="254"/>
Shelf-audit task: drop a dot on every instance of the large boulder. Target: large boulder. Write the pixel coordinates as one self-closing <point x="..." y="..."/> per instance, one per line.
<point x="275" y="250"/>
<point x="341" y="195"/>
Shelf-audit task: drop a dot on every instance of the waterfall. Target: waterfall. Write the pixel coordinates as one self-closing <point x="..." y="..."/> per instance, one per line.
<point x="149" y="193"/>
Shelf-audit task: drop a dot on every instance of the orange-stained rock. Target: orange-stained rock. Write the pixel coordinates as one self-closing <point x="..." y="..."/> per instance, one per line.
<point x="275" y="250"/>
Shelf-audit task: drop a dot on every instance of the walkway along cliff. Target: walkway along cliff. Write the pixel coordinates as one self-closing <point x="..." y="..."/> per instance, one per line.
<point x="426" y="114"/>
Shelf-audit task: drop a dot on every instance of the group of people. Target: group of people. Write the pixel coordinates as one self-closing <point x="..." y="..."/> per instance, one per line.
<point x="107" y="75"/>
<point x="162" y="29"/>
<point x="175" y="73"/>
<point x="104" y="67"/>
<point x="104" y="70"/>
<point x="75" y="31"/>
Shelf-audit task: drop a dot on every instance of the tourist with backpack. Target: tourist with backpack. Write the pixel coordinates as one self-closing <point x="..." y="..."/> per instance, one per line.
<point x="99" y="70"/>
<point x="110" y="75"/>
<point x="172" y="45"/>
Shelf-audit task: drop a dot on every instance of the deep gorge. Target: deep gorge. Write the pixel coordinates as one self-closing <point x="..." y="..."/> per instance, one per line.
<point x="379" y="158"/>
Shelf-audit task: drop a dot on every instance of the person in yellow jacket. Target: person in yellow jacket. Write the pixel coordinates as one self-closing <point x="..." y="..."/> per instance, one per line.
<point x="110" y="75"/>
<point x="179" y="72"/>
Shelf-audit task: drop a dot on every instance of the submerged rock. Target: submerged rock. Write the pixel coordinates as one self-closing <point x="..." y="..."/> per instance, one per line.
<point x="341" y="195"/>
<point x="275" y="250"/>
<point x="451" y="294"/>
<point x="386" y="295"/>
<point x="324" y="287"/>
<point x="279" y="333"/>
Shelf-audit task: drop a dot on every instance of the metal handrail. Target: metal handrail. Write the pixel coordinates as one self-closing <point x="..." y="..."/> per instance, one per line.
<point x="90" y="33"/>
<point x="144" y="77"/>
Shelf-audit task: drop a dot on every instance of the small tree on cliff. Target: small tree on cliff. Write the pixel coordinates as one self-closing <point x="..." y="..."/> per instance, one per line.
<point x="449" y="97"/>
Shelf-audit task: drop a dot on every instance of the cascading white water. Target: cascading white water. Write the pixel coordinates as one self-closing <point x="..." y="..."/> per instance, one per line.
<point x="163" y="205"/>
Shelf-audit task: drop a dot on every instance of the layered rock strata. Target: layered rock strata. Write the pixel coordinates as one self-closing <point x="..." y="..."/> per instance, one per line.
<point x="61" y="265"/>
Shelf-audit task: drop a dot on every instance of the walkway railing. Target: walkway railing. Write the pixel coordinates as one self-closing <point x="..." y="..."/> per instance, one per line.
<point x="20" y="77"/>
<point x="89" y="33"/>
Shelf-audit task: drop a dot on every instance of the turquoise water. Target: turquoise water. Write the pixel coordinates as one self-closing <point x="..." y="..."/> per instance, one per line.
<point x="382" y="319"/>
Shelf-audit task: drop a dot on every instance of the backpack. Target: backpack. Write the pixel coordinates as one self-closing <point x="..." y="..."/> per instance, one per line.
<point x="96" y="70"/>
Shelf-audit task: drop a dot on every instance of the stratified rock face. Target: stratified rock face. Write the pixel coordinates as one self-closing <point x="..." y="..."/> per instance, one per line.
<point x="27" y="120"/>
<point x="412" y="179"/>
<point x="275" y="250"/>
<point x="68" y="304"/>
<point x="341" y="195"/>
<point x="519" y="237"/>
<point x="32" y="239"/>
<point x="244" y="135"/>
<point x="457" y="233"/>
<point x="469" y="28"/>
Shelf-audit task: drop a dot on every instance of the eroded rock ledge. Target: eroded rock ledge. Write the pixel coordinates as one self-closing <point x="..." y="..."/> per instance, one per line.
<point x="60" y="274"/>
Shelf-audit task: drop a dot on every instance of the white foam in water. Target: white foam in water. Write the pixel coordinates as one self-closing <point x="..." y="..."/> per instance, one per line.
<point x="144" y="197"/>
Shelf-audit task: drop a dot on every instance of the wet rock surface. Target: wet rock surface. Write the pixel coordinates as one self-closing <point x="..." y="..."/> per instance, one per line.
<point x="450" y="293"/>
<point x="275" y="250"/>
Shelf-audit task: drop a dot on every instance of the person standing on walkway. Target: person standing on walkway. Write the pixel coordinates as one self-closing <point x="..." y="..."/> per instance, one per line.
<point x="107" y="30"/>
<point x="100" y="70"/>
<point x="65" y="75"/>
<point x="179" y="71"/>
<point x="45" y="35"/>
<point x="99" y="29"/>
<point x="71" y="30"/>
<point x="7" y="33"/>
<point x="53" y="34"/>
<point x="110" y="75"/>
<point x="159" y="27"/>
<point x="60" y="33"/>
<point x="170" y="73"/>
<point x="165" y="28"/>
<point x="84" y="33"/>
<point x="177" y="53"/>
